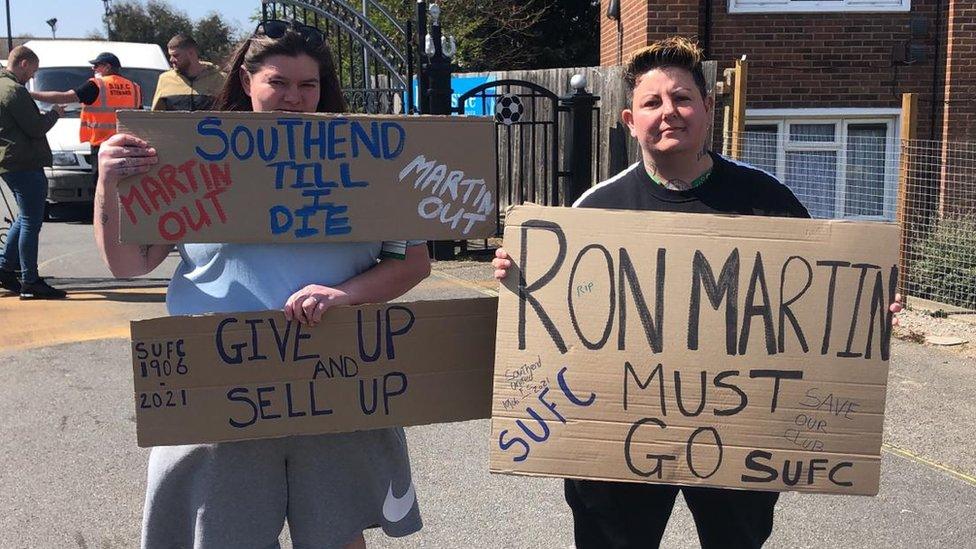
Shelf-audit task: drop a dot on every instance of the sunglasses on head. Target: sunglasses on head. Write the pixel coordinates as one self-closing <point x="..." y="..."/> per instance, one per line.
<point x="276" y="29"/>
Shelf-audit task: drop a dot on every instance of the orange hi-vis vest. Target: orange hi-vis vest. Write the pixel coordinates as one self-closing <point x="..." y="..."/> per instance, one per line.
<point x="98" y="120"/>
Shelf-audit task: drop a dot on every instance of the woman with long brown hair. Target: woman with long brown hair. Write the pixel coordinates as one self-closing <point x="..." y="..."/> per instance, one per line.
<point x="238" y="494"/>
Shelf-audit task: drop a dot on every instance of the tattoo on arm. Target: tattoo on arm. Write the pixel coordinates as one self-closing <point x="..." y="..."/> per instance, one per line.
<point x="101" y="206"/>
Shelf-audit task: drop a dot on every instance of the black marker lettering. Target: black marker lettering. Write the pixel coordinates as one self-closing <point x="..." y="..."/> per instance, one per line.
<point x="612" y="300"/>
<point x="726" y="288"/>
<point x="525" y="290"/>
<point x="750" y="309"/>
<point x="831" y="288"/>
<point x="658" y="371"/>
<point x="777" y="375"/>
<point x="784" y="306"/>
<point x="653" y="328"/>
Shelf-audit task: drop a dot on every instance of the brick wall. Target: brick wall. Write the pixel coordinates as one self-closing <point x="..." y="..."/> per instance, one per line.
<point x="802" y="60"/>
<point x="633" y="27"/>
<point x="957" y="186"/>
<point x="960" y="78"/>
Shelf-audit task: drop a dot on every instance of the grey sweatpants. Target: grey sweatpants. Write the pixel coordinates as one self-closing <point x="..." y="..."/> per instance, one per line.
<point x="238" y="494"/>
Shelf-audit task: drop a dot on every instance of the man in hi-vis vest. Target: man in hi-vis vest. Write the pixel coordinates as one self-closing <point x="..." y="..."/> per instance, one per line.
<point x="101" y="97"/>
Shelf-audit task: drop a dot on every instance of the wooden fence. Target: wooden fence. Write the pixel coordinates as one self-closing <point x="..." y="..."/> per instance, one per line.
<point x="613" y="147"/>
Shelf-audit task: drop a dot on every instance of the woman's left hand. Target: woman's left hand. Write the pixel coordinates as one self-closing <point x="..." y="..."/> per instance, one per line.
<point x="308" y="304"/>
<point x="896" y="308"/>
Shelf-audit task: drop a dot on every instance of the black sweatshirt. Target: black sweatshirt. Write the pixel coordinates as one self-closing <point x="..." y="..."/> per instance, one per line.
<point x="731" y="188"/>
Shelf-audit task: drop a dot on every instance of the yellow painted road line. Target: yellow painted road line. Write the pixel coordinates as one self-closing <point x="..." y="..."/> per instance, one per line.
<point x="473" y="285"/>
<point x="83" y="316"/>
<point x="901" y="452"/>
<point x="105" y="314"/>
<point x="59" y="258"/>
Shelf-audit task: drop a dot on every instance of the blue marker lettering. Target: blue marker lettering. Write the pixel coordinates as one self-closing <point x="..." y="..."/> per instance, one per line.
<point x="320" y="180"/>
<point x="249" y="150"/>
<point x="371" y="141"/>
<point x="318" y="140"/>
<point x="289" y="124"/>
<point x="280" y="168"/>
<point x="335" y="140"/>
<point x="210" y="126"/>
<point x="392" y="130"/>
<point x="347" y="181"/>
<point x="280" y="220"/>
<point x="265" y="151"/>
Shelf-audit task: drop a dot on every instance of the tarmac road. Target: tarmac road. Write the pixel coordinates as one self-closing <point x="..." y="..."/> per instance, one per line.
<point x="72" y="475"/>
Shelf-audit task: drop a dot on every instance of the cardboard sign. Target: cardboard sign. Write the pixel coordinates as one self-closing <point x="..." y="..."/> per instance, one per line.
<point x="742" y="352"/>
<point x="253" y="375"/>
<point x="285" y="177"/>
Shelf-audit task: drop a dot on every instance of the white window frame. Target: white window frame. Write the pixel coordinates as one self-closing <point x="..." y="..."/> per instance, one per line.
<point x="818" y="6"/>
<point x="841" y="118"/>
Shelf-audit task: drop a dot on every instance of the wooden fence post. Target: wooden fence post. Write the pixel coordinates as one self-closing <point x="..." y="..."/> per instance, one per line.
<point x="909" y="129"/>
<point x="739" y="108"/>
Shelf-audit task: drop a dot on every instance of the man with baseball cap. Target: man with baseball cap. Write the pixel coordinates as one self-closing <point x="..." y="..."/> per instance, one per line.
<point x="101" y="97"/>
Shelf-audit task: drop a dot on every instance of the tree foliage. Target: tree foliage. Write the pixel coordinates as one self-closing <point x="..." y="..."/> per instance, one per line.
<point x="157" y="21"/>
<point x="506" y="35"/>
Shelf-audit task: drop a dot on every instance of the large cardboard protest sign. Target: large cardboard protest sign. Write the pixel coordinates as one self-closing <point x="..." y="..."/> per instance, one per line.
<point x="254" y="375"/>
<point x="287" y="177"/>
<point x="743" y="352"/>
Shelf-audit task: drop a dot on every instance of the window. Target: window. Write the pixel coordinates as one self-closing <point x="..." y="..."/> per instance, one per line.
<point x="841" y="168"/>
<point x="817" y="6"/>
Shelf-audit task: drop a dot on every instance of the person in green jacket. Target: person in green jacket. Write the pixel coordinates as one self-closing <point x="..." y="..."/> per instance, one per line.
<point x="192" y="84"/>
<point x="24" y="152"/>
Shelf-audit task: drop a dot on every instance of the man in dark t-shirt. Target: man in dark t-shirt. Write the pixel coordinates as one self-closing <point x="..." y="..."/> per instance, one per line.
<point x="669" y="116"/>
<point x="85" y="94"/>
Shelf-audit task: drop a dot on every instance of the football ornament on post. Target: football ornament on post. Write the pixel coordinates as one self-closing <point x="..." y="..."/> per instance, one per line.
<point x="508" y="109"/>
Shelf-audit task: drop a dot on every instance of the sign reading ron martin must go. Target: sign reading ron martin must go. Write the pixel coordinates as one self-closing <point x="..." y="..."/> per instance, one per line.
<point x="743" y="352"/>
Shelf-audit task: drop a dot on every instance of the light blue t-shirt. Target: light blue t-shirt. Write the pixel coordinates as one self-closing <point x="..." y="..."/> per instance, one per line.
<point x="225" y="278"/>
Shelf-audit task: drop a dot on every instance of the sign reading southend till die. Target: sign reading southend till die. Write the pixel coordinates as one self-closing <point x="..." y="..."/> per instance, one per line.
<point x="285" y="177"/>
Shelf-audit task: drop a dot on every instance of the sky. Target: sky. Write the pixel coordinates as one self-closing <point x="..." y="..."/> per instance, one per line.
<point x="76" y="18"/>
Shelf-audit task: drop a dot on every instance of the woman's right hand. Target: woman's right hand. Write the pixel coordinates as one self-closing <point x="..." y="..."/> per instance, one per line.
<point x="502" y="263"/>
<point x="123" y="155"/>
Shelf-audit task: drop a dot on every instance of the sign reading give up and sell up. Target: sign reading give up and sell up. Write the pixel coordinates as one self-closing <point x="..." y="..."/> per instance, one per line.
<point x="287" y="177"/>
<point x="743" y="352"/>
<point x="222" y="377"/>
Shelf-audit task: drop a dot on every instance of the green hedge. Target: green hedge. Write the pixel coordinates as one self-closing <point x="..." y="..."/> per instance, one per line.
<point x="942" y="266"/>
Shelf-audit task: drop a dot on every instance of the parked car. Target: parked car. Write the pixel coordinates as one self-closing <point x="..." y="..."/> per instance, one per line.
<point x="64" y="65"/>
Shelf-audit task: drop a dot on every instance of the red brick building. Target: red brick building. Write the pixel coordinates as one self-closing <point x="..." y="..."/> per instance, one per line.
<point x="825" y="81"/>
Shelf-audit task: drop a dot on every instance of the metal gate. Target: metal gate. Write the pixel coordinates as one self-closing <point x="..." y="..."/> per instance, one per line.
<point x="375" y="67"/>
<point x="539" y="159"/>
<point x="526" y="136"/>
<point x="544" y="141"/>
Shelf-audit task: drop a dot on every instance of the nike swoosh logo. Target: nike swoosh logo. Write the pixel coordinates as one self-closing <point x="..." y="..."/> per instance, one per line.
<point x="395" y="508"/>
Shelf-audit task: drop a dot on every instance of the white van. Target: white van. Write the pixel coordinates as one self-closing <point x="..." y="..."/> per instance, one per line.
<point x="64" y="65"/>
